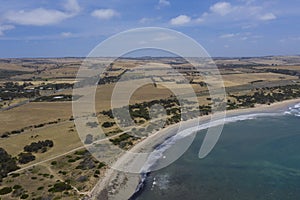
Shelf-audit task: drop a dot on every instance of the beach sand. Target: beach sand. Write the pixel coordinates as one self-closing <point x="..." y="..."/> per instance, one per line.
<point x="121" y="185"/>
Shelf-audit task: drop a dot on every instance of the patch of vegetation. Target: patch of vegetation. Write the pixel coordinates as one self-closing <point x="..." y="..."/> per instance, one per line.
<point x="7" y="164"/>
<point x="24" y="196"/>
<point x="5" y="190"/>
<point x="284" y="71"/>
<point x="81" y="152"/>
<point x="54" y="163"/>
<point x="11" y="90"/>
<point x="123" y="141"/>
<point x="108" y="124"/>
<point x="101" y="165"/>
<point x="87" y="163"/>
<point x="15" y="187"/>
<point x="40" y="188"/>
<point x="40" y="146"/>
<point x="5" y="74"/>
<point x="267" y="96"/>
<point x="24" y="158"/>
<point x="14" y="175"/>
<point x="60" y="187"/>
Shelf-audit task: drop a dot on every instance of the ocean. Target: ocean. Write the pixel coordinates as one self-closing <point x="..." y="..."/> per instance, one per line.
<point x="255" y="158"/>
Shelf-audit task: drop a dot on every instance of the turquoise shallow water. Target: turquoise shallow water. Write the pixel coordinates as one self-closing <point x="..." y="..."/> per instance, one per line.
<point x="254" y="159"/>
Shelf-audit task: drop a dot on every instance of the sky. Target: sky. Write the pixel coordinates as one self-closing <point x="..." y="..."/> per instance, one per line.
<point x="72" y="28"/>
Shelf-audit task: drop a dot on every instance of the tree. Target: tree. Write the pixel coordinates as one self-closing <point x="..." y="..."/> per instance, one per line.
<point x="25" y="157"/>
<point x="7" y="164"/>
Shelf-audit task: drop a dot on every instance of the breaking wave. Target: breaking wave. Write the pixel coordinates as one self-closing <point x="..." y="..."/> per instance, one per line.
<point x="294" y="110"/>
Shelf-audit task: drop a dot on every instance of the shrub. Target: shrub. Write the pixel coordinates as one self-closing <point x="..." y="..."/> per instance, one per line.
<point x="54" y="163"/>
<point x="17" y="187"/>
<point x="24" y="196"/>
<point x="60" y="187"/>
<point x="71" y="160"/>
<point x="25" y="158"/>
<point x="39" y="146"/>
<point x="7" y="164"/>
<point x="101" y="164"/>
<point x="40" y="188"/>
<point x="5" y="190"/>
<point x="108" y="124"/>
<point x="14" y="175"/>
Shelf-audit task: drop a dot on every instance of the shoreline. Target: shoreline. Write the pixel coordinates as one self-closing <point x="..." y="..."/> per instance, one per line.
<point x="128" y="189"/>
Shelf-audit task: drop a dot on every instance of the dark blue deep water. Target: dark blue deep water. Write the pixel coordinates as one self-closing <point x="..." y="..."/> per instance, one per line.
<point x="254" y="159"/>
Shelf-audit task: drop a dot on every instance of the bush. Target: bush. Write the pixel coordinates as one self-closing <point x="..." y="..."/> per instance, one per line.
<point x="71" y="160"/>
<point x="108" y="124"/>
<point x="5" y="190"/>
<point x="40" y="188"/>
<point x="17" y="187"/>
<point x="39" y="146"/>
<point x="87" y="163"/>
<point x="14" y="175"/>
<point x="60" y="187"/>
<point x="25" y="158"/>
<point x="101" y="165"/>
<point x="54" y="163"/>
<point x="7" y="164"/>
<point x="24" y="196"/>
<point x="81" y="152"/>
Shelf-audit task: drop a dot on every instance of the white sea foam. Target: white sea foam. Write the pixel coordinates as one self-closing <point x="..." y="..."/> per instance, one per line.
<point x="158" y="153"/>
<point x="162" y="181"/>
<point x="294" y="110"/>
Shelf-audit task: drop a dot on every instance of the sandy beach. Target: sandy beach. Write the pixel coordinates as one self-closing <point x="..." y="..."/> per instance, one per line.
<point x="121" y="186"/>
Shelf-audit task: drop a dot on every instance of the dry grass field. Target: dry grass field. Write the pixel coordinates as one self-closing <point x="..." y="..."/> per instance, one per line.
<point x="34" y="113"/>
<point x="64" y="136"/>
<point x="242" y="79"/>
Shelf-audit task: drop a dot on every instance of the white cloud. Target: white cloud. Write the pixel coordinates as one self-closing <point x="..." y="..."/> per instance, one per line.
<point x="229" y="35"/>
<point x="268" y="16"/>
<point x="66" y="34"/>
<point x="240" y="36"/>
<point x="248" y="2"/>
<point x="145" y="20"/>
<point x="221" y="8"/>
<point x="4" y="28"/>
<point x="42" y="16"/>
<point x="38" y="17"/>
<point x="164" y="37"/>
<point x="245" y="11"/>
<point x="290" y="39"/>
<point x="72" y="6"/>
<point x="180" y="20"/>
<point x="164" y="3"/>
<point x="104" y="13"/>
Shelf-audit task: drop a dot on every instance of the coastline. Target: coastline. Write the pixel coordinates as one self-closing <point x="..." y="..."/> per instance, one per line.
<point x="128" y="182"/>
